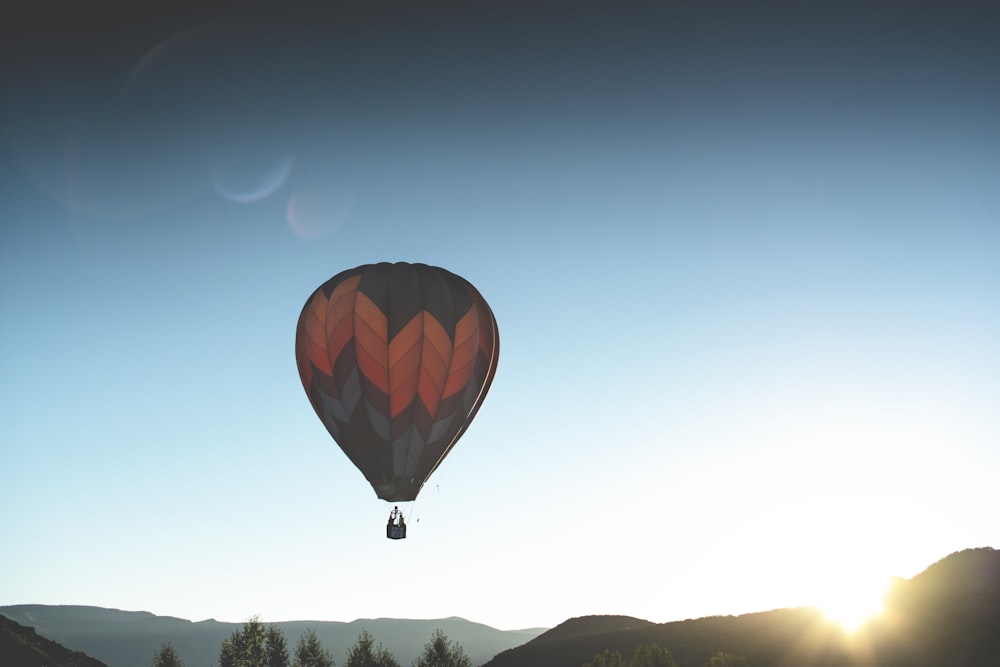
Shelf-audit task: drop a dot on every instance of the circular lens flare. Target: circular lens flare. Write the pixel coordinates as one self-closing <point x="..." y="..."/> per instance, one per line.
<point x="315" y="213"/>
<point x="252" y="180"/>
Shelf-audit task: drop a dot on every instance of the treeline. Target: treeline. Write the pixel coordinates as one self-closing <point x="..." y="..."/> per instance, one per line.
<point x="257" y="645"/>
<point x="654" y="655"/>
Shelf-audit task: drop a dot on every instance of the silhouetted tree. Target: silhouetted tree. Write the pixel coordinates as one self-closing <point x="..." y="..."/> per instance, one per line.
<point x="254" y="646"/>
<point x="309" y="652"/>
<point x="608" y="658"/>
<point x="167" y="657"/>
<point x="364" y="654"/>
<point x="652" y="655"/>
<point x="277" y="647"/>
<point x="438" y="652"/>
<point x="721" y="659"/>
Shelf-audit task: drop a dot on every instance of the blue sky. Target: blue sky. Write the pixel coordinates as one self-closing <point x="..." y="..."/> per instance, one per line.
<point x="745" y="265"/>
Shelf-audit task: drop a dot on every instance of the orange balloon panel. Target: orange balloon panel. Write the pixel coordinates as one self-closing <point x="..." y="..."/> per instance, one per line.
<point x="396" y="360"/>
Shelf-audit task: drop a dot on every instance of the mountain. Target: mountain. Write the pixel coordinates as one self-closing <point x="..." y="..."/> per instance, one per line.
<point x="947" y="615"/>
<point x="691" y="642"/>
<point x="22" y="647"/>
<point x="130" y="638"/>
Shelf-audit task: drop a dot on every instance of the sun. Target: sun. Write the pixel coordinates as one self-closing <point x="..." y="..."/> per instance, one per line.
<point x="851" y="603"/>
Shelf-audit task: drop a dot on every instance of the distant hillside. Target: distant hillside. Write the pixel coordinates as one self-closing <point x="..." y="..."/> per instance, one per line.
<point x="949" y="615"/>
<point x="691" y="642"/>
<point x="589" y="626"/>
<point x="130" y="638"/>
<point x="22" y="647"/>
<point x="946" y="616"/>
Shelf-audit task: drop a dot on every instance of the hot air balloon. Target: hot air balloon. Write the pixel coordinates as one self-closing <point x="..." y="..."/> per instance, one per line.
<point x="396" y="360"/>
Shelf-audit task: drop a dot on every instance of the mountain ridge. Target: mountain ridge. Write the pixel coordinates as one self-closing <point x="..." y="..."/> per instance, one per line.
<point x="948" y="614"/>
<point x="123" y="638"/>
<point x="21" y="646"/>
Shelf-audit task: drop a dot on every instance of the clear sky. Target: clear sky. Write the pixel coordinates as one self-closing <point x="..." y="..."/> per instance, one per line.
<point x="744" y="257"/>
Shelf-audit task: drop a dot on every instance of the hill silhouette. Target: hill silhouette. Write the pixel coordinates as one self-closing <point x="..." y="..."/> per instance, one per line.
<point x="23" y="647"/>
<point x="129" y="638"/>
<point x="947" y="615"/>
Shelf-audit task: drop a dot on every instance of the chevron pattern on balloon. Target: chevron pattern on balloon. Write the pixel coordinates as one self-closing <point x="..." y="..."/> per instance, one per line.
<point x="396" y="359"/>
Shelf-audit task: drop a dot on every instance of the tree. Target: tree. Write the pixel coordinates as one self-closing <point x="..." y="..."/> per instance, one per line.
<point x="277" y="647"/>
<point x="254" y="646"/>
<point x="309" y="652"/>
<point x="721" y="659"/>
<point x="167" y="657"/>
<point x="608" y="658"/>
<point x="227" y="654"/>
<point x="364" y="654"/>
<point x="652" y="655"/>
<point x="439" y="652"/>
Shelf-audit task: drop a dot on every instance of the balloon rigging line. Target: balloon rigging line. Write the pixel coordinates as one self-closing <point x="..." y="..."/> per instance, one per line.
<point x="410" y="513"/>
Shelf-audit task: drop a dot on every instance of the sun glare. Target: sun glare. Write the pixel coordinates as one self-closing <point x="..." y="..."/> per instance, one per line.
<point x="850" y="606"/>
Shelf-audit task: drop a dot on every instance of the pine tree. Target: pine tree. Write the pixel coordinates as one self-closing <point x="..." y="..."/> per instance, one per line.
<point x="652" y="655"/>
<point x="167" y="657"/>
<point x="440" y="653"/>
<point x="254" y="645"/>
<point x="364" y="654"/>
<point x="309" y="652"/>
<point x="276" y="647"/>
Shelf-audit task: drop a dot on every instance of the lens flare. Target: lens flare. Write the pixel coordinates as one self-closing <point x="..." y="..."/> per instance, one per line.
<point x="248" y="181"/>
<point x="315" y="213"/>
<point x="854" y="599"/>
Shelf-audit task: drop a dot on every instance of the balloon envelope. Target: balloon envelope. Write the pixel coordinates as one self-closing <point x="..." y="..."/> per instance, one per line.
<point x="396" y="360"/>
